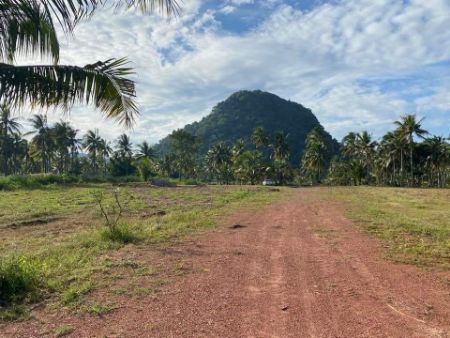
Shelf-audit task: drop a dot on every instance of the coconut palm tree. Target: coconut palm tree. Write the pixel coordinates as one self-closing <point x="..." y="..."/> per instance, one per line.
<point x="219" y="161"/>
<point x="280" y="147"/>
<point x="8" y="124"/>
<point x="28" y="27"/>
<point x="145" y="151"/>
<point x="42" y="140"/>
<point x="92" y="144"/>
<point x="105" y="150"/>
<point x="437" y="159"/>
<point x="125" y="152"/>
<point x="313" y="159"/>
<point x="259" y="137"/>
<point x="408" y="126"/>
<point x="64" y="138"/>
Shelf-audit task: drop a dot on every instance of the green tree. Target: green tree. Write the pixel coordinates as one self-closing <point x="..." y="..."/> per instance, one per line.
<point x="249" y="167"/>
<point x="408" y="126"/>
<point x="219" y="162"/>
<point x="184" y="147"/>
<point x="260" y="138"/>
<point x="8" y="126"/>
<point x="92" y="143"/>
<point x="146" y="151"/>
<point x="314" y="157"/>
<point x="42" y="141"/>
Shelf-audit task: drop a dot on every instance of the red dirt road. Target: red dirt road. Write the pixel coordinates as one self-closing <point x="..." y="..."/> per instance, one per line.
<point x="294" y="269"/>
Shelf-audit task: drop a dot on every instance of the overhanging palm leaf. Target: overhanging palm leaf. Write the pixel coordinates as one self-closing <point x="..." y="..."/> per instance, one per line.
<point x="26" y="27"/>
<point x="103" y="84"/>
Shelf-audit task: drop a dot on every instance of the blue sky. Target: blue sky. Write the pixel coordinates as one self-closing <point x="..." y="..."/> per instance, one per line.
<point x="358" y="64"/>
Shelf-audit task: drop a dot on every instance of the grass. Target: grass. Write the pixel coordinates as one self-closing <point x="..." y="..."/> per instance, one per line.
<point x="414" y="223"/>
<point x="65" y="252"/>
<point x="20" y="279"/>
<point x="100" y="309"/>
<point x="63" y="331"/>
<point x="120" y="233"/>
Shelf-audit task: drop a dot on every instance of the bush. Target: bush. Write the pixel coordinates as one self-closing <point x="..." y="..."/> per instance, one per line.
<point x="145" y="169"/>
<point x="35" y="181"/>
<point x="161" y="182"/>
<point x="20" y="279"/>
<point x="120" y="233"/>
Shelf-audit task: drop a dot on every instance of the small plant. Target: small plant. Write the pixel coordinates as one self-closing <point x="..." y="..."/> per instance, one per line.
<point x="73" y="295"/>
<point x="112" y="212"/>
<point x="115" y="231"/>
<point x="13" y="313"/>
<point x="100" y="309"/>
<point x="63" y="330"/>
<point x="20" y="279"/>
<point x="121" y="233"/>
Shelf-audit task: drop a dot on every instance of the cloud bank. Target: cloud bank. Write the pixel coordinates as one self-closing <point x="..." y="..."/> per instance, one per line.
<point x="357" y="64"/>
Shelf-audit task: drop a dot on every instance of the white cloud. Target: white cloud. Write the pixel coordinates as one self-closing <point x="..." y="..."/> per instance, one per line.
<point x="186" y="65"/>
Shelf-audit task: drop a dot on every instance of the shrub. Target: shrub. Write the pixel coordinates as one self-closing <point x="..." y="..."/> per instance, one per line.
<point x="20" y="279"/>
<point x="35" y="181"/>
<point x="145" y="169"/>
<point x="120" y="233"/>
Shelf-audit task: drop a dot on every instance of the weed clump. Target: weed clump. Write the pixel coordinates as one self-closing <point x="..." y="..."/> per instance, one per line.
<point x="120" y="233"/>
<point x="20" y="279"/>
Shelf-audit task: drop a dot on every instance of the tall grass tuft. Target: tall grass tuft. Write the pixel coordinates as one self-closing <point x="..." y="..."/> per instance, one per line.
<point x="20" y="279"/>
<point x="120" y="233"/>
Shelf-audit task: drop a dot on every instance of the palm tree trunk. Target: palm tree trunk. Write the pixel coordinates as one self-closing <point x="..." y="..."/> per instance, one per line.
<point x="411" y="145"/>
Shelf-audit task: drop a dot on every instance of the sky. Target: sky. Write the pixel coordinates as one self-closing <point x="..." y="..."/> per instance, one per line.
<point x="357" y="64"/>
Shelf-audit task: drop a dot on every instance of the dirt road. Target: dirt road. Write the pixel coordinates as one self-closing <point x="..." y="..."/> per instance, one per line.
<point x="294" y="269"/>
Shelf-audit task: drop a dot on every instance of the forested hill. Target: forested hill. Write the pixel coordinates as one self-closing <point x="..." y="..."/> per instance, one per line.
<point x="243" y="111"/>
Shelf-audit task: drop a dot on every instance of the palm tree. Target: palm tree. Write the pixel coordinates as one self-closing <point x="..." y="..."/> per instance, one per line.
<point x="408" y="126"/>
<point x="437" y="159"/>
<point x="219" y="161"/>
<point x="105" y="151"/>
<point x="64" y="138"/>
<point x="313" y="160"/>
<point x="28" y="27"/>
<point x="125" y="151"/>
<point x="146" y="151"/>
<point x="259" y="137"/>
<point x="8" y="127"/>
<point x="349" y="144"/>
<point x="74" y="145"/>
<point x="8" y="124"/>
<point x="366" y="152"/>
<point x="42" y="140"/>
<point x="280" y="147"/>
<point x="92" y="143"/>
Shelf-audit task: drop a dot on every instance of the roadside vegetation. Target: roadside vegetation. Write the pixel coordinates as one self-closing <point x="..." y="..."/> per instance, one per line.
<point x="55" y="239"/>
<point x="414" y="223"/>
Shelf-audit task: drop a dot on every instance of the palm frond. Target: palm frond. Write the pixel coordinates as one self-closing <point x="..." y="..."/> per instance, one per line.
<point x="102" y="84"/>
<point x="27" y="28"/>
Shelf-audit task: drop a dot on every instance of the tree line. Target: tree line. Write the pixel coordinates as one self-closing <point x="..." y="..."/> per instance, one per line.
<point x="406" y="156"/>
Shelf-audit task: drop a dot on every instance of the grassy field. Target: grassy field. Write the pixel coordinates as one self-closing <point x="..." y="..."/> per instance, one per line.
<point x="414" y="223"/>
<point x="54" y="239"/>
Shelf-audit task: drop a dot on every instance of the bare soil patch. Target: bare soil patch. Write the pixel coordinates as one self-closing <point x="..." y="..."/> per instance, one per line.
<point x="292" y="269"/>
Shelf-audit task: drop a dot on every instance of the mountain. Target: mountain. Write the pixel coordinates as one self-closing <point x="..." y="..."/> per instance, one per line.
<point x="243" y="111"/>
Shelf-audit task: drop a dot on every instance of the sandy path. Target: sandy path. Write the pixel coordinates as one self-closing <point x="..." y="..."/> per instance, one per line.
<point x="295" y="269"/>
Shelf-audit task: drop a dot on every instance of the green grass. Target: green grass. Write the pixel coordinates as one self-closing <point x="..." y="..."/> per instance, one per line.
<point x="121" y="233"/>
<point x="63" y="331"/>
<point x="70" y="248"/>
<point x="414" y="223"/>
<point x="20" y="279"/>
